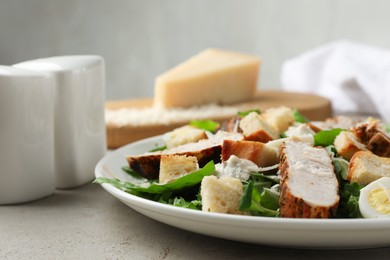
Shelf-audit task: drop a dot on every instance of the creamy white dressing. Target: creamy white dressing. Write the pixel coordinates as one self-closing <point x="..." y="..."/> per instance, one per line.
<point x="298" y="130"/>
<point x="239" y="168"/>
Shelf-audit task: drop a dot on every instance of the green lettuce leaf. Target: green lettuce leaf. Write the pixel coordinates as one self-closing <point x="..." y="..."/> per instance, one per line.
<point x="132" y="173"/>
<point x="259" y="204"/>
<point x="184" y="182"/>
<point x="247" y="112"/>
<point x="326" y="137"/>
<point x="261" y="181"/>
<point x="341" y="167"/>
<point x="349" y="192"/>
<point x="208" y="125"/>
<point x="299" y="118"/>
<point x="159" y="148"/>
<point x="349" y="201"/>
<point x="181" y="202"/>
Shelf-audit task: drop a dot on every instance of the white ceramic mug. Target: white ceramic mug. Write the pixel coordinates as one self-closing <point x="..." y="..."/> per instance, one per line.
<point x="80" y="138"/>
<point x="26" y="135"/>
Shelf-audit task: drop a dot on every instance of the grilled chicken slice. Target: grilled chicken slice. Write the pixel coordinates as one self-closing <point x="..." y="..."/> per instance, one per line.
<point x="366" y="130"/>
<point x="148" y="164"/>
<point x="309" y="187"/>
<point x="379" y="144"/>
<point x="372" y="135"/>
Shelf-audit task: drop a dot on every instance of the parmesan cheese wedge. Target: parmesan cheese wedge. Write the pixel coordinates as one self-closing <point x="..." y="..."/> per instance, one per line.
<point x="212" y="76"/>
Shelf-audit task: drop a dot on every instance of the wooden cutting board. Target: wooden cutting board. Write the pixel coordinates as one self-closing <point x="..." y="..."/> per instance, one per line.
<point x="312" y="106"/>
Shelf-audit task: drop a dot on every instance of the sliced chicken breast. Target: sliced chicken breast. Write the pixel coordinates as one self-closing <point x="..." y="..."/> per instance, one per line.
<point x="148" y="164"/>
<point x="309" y="186"/>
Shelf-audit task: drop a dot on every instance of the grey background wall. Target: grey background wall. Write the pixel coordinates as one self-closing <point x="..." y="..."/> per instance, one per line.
<point x="139" y="39"/>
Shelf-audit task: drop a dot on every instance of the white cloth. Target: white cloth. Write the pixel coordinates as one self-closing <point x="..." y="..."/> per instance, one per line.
<point x="354" y="76"/>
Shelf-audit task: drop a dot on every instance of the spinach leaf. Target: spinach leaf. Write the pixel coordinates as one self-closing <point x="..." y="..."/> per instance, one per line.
<point x="261" y="181"/>
<point x="299" y="118"/>
<point x="159" y="148"/>
<point x="259" y="204"/>
<point x="349" y="201"/>
<point x="208" y="125"/>
<point x="326" y="137"/>
<point x="184" y="182"/>
<point x="270" y="199"/>
<point x="132" y="173"/>
<point x="341" y="166"/>
<point x="193" y="204"/>
<point x="349" y="192"/>
<point x="247" y="112"/>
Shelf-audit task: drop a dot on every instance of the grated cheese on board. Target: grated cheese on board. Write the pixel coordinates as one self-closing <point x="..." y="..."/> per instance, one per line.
<point x="157" y="116"/>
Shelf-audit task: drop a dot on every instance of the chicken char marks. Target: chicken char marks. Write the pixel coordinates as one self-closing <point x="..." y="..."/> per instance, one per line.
<point x="309" y="186"/>
<point x="148" y="165"/>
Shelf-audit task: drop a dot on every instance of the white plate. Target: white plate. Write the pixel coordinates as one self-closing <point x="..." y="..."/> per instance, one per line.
<point x="284" y="232"/>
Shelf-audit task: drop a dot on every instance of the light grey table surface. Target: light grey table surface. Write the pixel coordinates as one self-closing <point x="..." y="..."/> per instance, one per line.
<point x="89" y="223"/>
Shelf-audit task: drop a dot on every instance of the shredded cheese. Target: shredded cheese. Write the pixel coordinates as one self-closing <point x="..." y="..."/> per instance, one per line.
<point x="153" y="115"/>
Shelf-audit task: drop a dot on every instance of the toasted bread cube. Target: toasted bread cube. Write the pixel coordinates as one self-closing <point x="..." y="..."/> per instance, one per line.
<point x="347" y="144"/>
<point x="256" y="128"/>
<point x="280" y="117"/>
<point x="173" y="167"/>
<point x="366" y="167"/>
<point x="256" y="152"/>
<point x="184" y="135"/>
<point x="221" y="195"/>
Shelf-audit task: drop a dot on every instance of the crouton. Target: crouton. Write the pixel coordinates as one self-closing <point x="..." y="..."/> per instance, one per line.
<point x="256" y="128"/>
<point x="256" y="152"/>
<point x="173" y="167"/>
<point x="183" y="135"/>
<point x="366" y="167"/>
<point x="280" y="118"/>
<point x="221" y="195"/>
<point x="347" y="144"/>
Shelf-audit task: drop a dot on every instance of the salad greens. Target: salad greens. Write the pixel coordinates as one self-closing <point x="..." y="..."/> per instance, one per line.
<point x="247" y="112"/>
<point x="181" y="202"/>
<point x="299" y="118"/>
<point x="261" y="195"/>
<point x="159" y="148"/>
<point x="132" y="173"/>
<point x="182" y="183"/>
<point x="208" y="125"/>
<point x="260" y="203"/>
<point x="349" y="192"/>
<point x="326" y="137"/>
